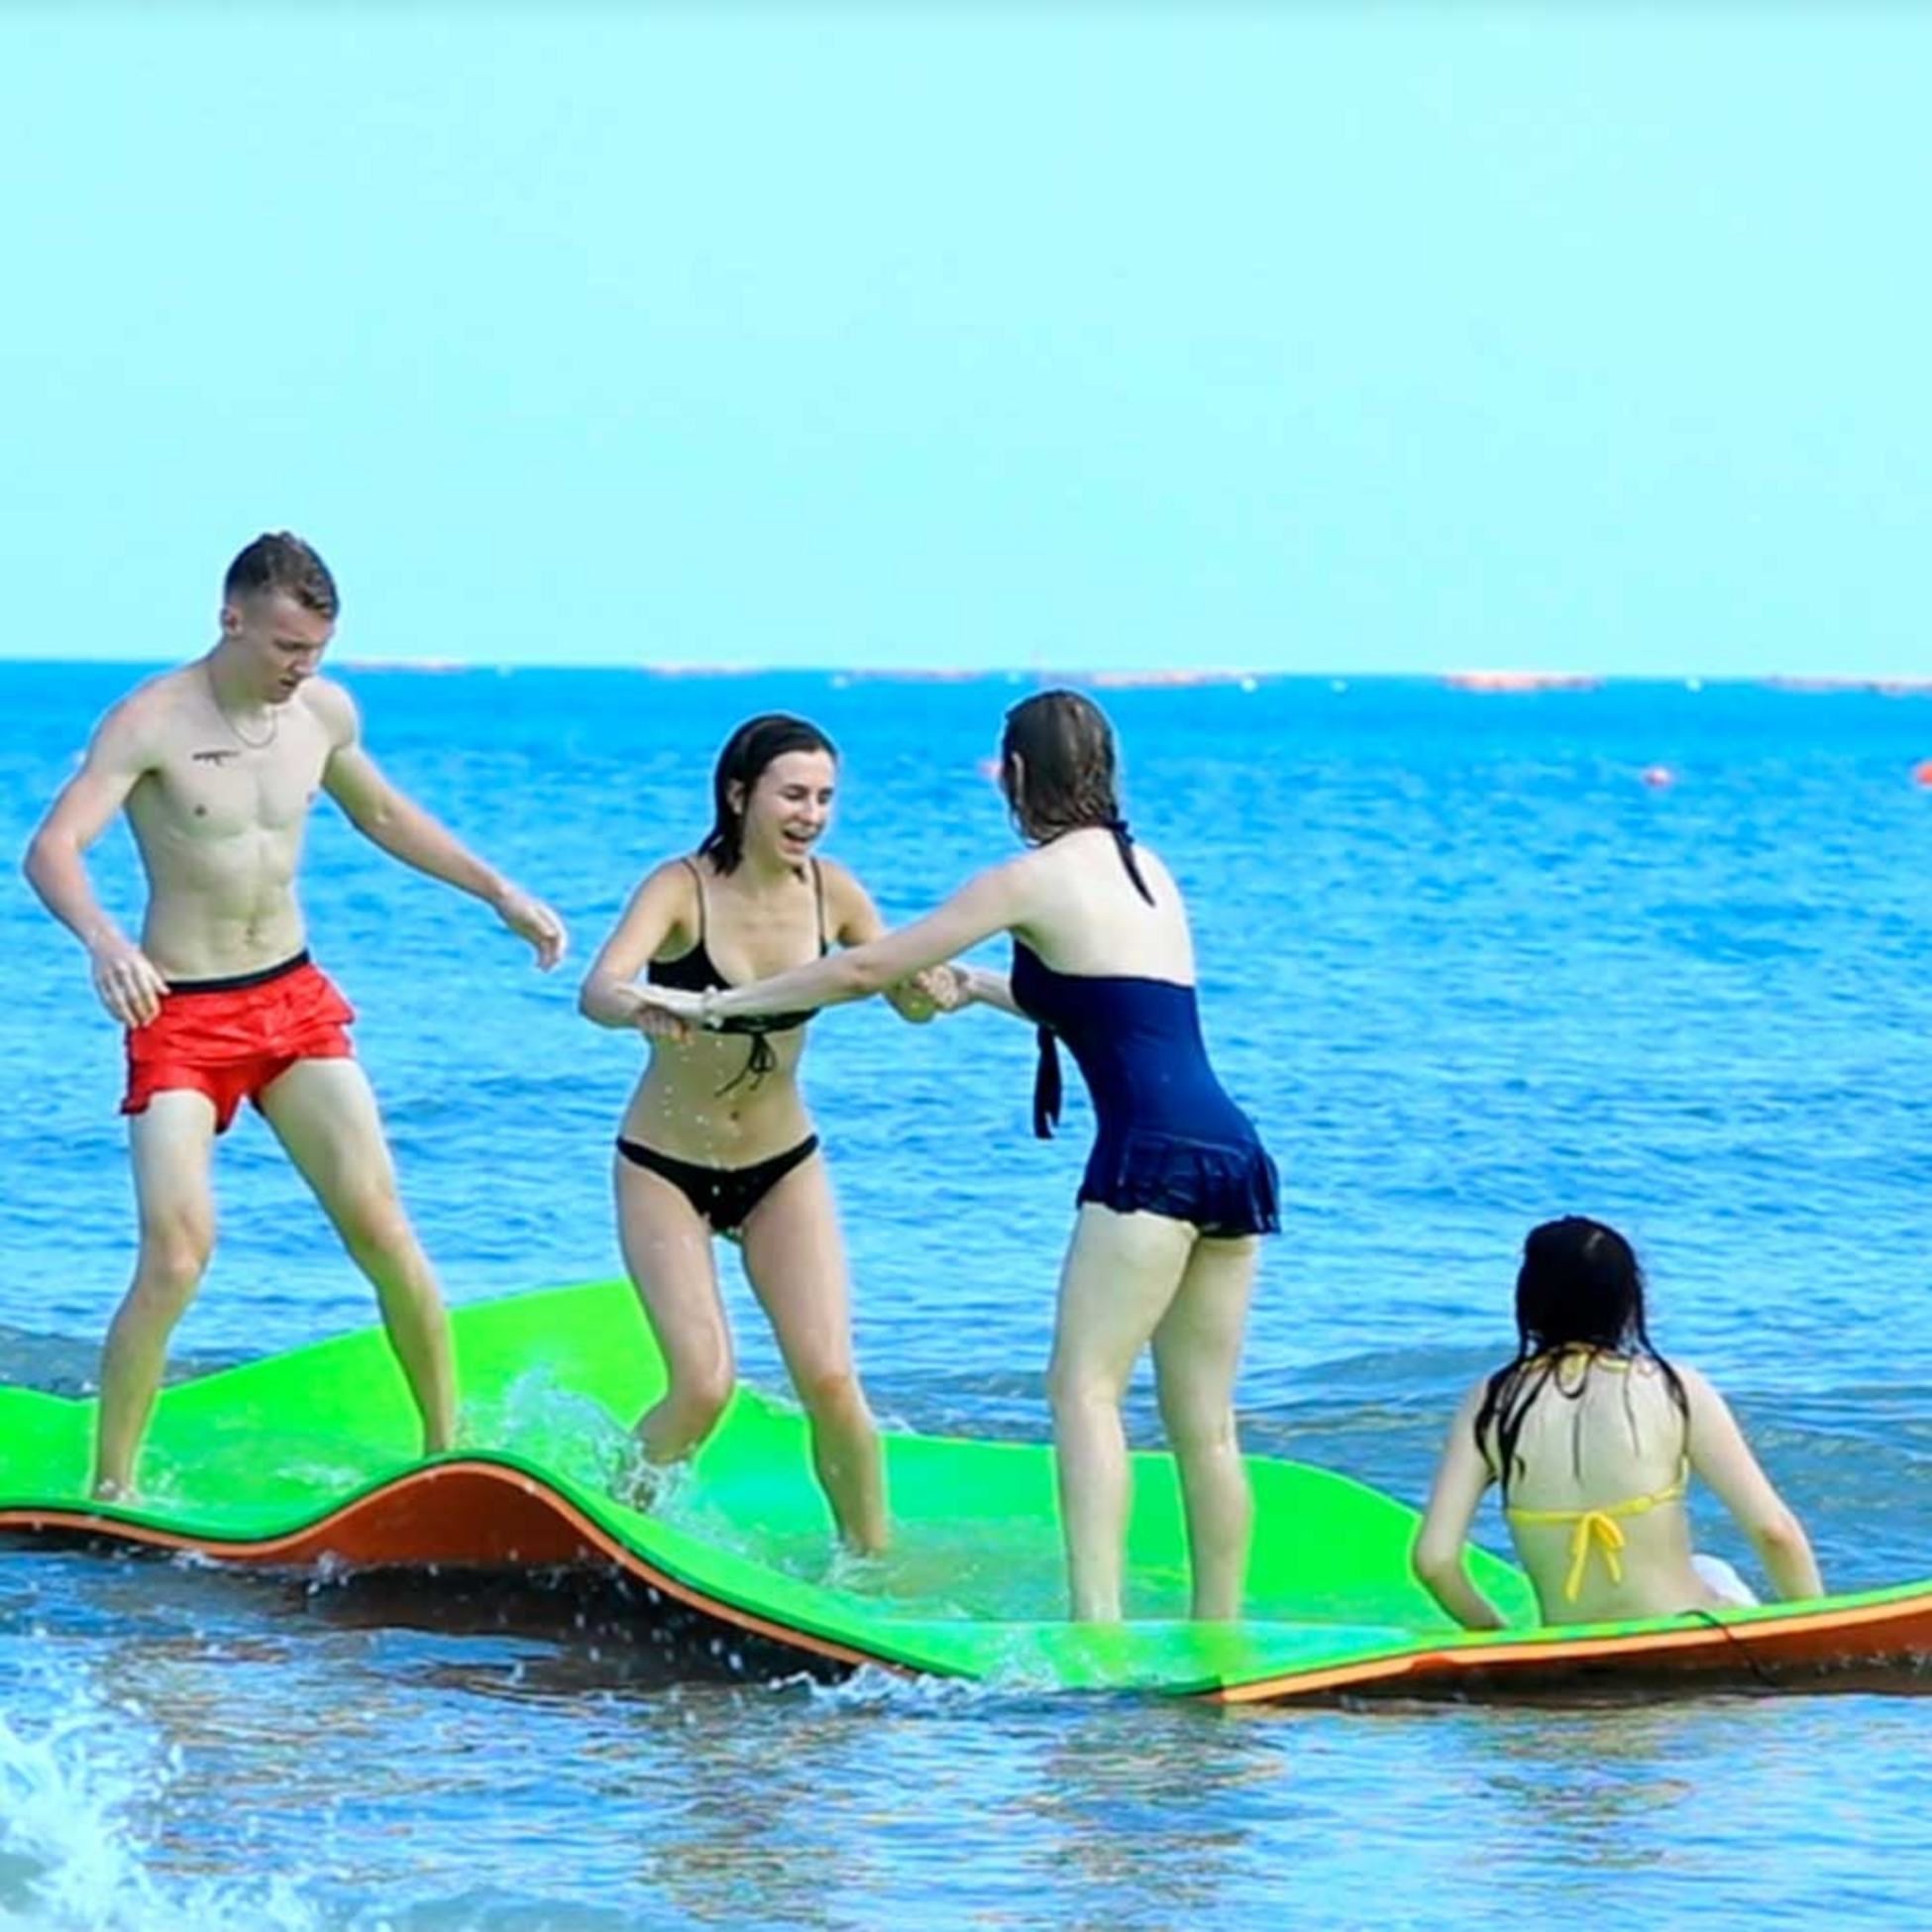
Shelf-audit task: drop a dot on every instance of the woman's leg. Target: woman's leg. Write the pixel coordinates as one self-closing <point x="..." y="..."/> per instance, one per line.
<point x="796" y="1263"/>
<point x="1120" y="1277"/>
<point x="1197" y="1347"/>
<point x="667" y="1247"/>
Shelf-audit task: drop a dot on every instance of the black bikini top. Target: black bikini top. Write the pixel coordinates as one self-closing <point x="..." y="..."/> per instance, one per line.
<point x="694" y="972"/>
<point x="1046" y="1074"/>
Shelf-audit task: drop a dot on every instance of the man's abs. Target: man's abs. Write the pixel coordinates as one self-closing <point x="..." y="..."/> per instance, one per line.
<point x="220" y="840"/>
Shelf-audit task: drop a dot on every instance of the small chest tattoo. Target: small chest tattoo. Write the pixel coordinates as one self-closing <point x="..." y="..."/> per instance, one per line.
<point x="213" y="757"/>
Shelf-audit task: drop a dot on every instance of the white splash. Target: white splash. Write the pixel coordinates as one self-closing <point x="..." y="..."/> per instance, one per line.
<point x="76" y="1797"/>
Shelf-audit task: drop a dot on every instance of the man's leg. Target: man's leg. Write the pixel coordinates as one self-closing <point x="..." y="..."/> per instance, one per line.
<point x="325" y="1116"/>
<point x="168" y="1144"/>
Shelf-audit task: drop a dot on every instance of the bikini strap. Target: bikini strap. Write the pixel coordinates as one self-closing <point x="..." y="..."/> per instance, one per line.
<point x="1124" y="844"/>
<point x="758" y="1063"/>
<point x="1046" y="1085"/>
<point x="697" y="880"/>
<point x="819" y="892"/>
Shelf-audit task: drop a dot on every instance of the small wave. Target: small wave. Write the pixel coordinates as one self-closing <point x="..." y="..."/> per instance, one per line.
<point x="76" y="1799"/>
<point x="55" y="1364"/>
<point x="554" y="1426"/>
<point x="872" y="1687"/>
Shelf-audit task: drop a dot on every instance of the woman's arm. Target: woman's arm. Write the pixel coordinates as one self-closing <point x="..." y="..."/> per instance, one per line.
<point x="609" y="996"/>
<point x="1721" y="1458"/>
<point x="855" y="922"/>
<point x="994" y="901"/>
<point x="981" y="985"/>
<point x="1436" y="1558"/>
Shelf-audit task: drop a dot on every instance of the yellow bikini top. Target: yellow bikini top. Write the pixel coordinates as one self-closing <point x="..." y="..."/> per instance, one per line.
<point x="1598" y="1529"/>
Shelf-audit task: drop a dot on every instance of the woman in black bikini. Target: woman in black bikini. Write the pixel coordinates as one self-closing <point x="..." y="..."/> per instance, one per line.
<point x="1178" y="1186"/>
<point x="715" y="1139"/>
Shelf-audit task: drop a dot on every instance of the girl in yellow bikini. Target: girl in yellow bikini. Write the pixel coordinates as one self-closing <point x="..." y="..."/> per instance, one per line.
<point x="1594" y="1438"/>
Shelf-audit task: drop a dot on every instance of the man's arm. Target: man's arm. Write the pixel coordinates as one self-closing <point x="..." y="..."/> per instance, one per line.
<point x="117" y="758"/>
<point x="403" y="830"/>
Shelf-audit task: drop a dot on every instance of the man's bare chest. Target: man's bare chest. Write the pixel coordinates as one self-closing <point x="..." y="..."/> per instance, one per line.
<point x="205" y="789"/>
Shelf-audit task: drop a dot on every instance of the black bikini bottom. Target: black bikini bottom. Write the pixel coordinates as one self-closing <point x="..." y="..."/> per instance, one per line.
<point x="724" y="1196"/>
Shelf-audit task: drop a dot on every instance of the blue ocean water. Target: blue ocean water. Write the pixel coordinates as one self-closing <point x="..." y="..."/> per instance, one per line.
<point x="1466" y="962"/>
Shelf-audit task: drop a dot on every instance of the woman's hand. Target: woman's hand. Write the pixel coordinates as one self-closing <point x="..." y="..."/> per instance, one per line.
<point x="656" y="1012"/>
<point x="655" y="1023"/>
<point x="933" y="990"/>
<point x="949" y="986"/>
<point x="671" y="1002"/>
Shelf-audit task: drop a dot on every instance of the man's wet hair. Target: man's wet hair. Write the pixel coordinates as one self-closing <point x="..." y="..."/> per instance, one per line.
<point x="279" y="561"/>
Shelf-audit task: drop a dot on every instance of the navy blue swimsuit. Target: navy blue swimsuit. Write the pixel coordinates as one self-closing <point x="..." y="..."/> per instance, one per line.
<point x="1169" y="1140"/>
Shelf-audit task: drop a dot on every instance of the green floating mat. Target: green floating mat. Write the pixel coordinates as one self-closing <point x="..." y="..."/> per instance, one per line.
<point x="306" y="1460"/>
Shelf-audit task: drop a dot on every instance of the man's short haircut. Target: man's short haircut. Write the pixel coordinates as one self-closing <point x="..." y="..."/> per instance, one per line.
<point x="278" y="560"/>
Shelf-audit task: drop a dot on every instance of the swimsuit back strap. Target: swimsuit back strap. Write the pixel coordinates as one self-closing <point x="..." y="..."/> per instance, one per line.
<point x="1124" y="844"/>
<point x="1047" y="1086"/>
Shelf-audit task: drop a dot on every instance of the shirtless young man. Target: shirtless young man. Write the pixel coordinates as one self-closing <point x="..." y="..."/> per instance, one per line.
<point x="217" y="764"/>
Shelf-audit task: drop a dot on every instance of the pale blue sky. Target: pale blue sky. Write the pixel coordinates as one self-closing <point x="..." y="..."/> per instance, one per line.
<point x="1306" y="338"/>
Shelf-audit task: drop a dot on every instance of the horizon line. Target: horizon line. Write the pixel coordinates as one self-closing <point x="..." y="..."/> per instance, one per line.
<point x="1498" y="681"/>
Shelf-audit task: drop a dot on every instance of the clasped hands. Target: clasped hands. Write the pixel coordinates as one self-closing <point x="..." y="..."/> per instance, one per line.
<point x="672" y="1011"/>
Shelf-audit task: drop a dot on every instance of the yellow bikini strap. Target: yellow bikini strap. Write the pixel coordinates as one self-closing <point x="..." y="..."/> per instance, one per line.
<point x="1597" y="1529"/>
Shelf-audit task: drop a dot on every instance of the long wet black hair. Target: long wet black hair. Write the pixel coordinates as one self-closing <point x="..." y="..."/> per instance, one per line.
<point x="1580" y="1287"/>
<point x="756" y="743"/>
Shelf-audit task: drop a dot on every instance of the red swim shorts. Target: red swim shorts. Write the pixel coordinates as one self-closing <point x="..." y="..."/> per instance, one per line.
<point x="229" y="1039"/>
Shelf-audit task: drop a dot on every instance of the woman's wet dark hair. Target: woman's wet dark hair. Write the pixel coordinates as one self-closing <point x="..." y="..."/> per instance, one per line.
<point x="1058" y="767"/>
<point x="755" y="744"/>
<point x="1580" y="1287"/>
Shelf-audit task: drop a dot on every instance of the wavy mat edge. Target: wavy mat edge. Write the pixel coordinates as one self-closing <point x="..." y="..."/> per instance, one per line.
<point x="473" y="1514"/>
